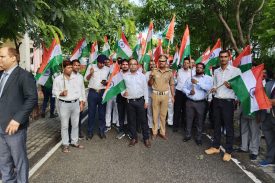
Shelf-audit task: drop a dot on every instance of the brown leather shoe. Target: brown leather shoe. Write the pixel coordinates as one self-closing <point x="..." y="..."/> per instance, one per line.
<point x="132" y="142"/>
<point x="164" y="137"/>
<point x="147" y="143"/>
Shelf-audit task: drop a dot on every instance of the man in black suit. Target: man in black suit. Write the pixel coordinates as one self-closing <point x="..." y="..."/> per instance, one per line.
<point x="18" y="96"/>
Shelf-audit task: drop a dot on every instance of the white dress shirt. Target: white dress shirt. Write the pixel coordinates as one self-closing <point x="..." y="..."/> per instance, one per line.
<point x="182" y="76"/>
<point x="136" y="85"/>
<point x="220" y="76"/>
<point x="97" y="77"/>
<point x="81" y="85"/>
<point x="147" y="75"/>
<point x="205" y="83"/>
<point x="72" y="85"/>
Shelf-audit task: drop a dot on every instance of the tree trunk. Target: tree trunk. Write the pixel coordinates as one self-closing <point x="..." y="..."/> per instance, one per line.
<point x="239" y="23"/>
<point x="229" y="31"/>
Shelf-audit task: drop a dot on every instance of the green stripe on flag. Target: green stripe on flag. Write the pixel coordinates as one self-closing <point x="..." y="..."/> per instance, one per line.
<point x="245" y="67"/>
<point x="241" y="92"/>
<point x="115" y="90"/>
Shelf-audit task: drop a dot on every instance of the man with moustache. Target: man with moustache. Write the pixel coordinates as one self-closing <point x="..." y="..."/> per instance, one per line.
<point x="161" y="80"/>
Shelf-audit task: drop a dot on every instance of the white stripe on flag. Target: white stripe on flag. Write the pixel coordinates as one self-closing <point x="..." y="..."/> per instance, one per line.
<point x="56" y="51"/>
<point x="246" y="60"/>
<point x="250" y="83"/>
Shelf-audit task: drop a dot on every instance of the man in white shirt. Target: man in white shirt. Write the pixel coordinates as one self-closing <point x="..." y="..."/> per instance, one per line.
<point x="97" y="75"/>
<point x="82" y="100"/>
<point x="152" y="65"/>
<point x="137" y="102"/>
<point x="180" y="97"/>
<point x="111" y="106"/>
<point x="68" y="90"/>
<point x="223" y="105"/>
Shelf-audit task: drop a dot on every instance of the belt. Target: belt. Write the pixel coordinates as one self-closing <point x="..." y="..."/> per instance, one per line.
<point x="135" y="99"/>
<point x="196" y="100"/>
<point x="160" y="93"/>
<point x="66" y="101"/>
<point x="97" y="91"/>
<point x="225" y="99"/>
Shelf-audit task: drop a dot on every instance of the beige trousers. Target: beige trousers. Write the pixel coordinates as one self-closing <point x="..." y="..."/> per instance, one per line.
<point x="160" y="108"/>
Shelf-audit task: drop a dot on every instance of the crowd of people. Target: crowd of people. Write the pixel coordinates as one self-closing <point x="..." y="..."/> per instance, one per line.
<point x="182" y="98"/>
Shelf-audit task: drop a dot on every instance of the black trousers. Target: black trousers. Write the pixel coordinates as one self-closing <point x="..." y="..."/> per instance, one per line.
<point x="179" y="109"/>
<point x="223" y="112"/>
<point x="121" y="108"/>
<point x="137" y="114"/>
<point x="195" y="111"/>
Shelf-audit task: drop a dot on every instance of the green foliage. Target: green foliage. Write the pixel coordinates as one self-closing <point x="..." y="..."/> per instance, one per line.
<point x="206" y="28"/>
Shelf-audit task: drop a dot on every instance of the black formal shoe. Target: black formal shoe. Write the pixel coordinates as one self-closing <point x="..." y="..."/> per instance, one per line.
<point x="199" y="142"/>
<point x="147" y="143"/>
<point x="43" y="115"/>
<point x="186" y="139"/>
<point x="175" y="129"/>
<point x="53" y="115"/>
<point x="89" y="137"/>
<point x="102" y="135"/>
<point x="252" y="157"/>
<point x="239" y="150"/>
<point x="81" y="137"/>
<point x="132" y="142"/>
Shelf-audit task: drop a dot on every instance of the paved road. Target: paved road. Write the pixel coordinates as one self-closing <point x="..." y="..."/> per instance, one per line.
<point x="111" y="160"/>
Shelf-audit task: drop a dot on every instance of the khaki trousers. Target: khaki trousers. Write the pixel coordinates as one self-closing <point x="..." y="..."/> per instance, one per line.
<point x="160" y="108"/>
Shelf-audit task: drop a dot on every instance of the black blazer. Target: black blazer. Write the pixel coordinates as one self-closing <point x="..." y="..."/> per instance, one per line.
<point x="18" y="98"/>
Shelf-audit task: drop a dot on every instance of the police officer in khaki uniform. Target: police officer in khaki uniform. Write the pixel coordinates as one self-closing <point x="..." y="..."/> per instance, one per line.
<point x="160" y="80"/>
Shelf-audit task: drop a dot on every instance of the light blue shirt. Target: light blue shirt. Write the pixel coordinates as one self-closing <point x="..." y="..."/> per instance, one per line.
<point x="6" y="78"/>
<point x="205" y="83"/>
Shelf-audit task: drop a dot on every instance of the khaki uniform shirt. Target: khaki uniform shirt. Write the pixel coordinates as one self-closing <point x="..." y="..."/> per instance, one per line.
<point x="162" y="79"/>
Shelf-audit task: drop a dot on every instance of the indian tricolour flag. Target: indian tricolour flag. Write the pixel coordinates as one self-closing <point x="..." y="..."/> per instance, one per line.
<point x="244" y="59"/>
<point x="123" y="48"/>
<point x="204" y="56"/>
<point x="115" y="85"/>
<point x="77" y="53"/>
<point x="213" y="57"/>
<point x="149" y="39"/>
<point x="138" y="48"/>
<point x="50" y="64"/>
<point x="249" y="89"/>
<point x="158" y="51"/>
<point x="106" y="47"/>
<point x="185" y="45"/>
<point x="168" y="33"/>
<point x="176" y="59"/>
<point x="93" y="53"/>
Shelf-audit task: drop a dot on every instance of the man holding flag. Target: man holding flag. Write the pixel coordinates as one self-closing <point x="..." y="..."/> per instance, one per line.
<point x="223" y="105"/>
<point x="97" y="75"/>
